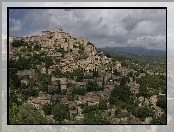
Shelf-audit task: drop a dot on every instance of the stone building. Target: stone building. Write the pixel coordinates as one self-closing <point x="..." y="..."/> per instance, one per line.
<point x="30" y="73"/>
<point x="53" y="87"/>
<point x="39" y="101"/>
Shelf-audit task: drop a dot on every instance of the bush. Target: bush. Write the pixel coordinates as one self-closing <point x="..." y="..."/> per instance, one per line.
<point x="161" y="101"/>
<point x="93" y="86"/>
<point x="80" y="91"/>
<point x="18" y="43"/>
<point x="90" y="109"/>
<point x="60" y="112"/>
<point x="102" y="105"/>
<point x="144" y="112"/>
<point x="47" y="108"/>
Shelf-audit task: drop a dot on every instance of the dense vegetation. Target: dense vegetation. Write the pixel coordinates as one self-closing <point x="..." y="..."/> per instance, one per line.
<point x="124" y="102"/>
<point x="140" y="60"/>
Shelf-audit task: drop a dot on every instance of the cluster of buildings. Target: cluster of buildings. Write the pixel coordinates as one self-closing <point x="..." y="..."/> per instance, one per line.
<point x="78" y="53"/>
<point x="50" y="40"/>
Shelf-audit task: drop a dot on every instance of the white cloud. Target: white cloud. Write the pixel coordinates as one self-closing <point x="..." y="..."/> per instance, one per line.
<point x="97" y="24"/>
<point x="154" y="42"/>
<point x="15" y="25"/>
<point x="146" y="27"/>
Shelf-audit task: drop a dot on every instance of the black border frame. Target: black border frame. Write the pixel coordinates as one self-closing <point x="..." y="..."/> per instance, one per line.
<point x="8" y="8"/>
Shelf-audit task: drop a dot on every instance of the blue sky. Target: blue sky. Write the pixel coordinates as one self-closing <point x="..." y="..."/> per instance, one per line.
<point x="16" y="19"/>
<point x="18" y="14"/>
<point x="104" y="28"/>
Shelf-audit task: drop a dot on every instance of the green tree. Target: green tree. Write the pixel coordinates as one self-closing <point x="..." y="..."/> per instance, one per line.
<point x="144" y="112"/>
<point x="30" y="115"/>
<point x="57" y="73"/>
<point x="44" y="78"/>
<point x="92" y="86"/>
<point x="123" y="81"/>
<point x="95" y="73"/>
<point x="117" y="111"/>
<point x="161" y="102"/>
<point x="80" y="91"/>
<point x="121" y="93"/>
<point x="18" y="43"/>
<point x="13" y="98"/>
<point x="48" y="61"/>
<point x="116" y="73"/>
<point x="160" y="120"/>
<point x="102" y="105"/>
<point x="37" y="47"/>
<point x="47" y="108"/>
<point x="143" y="91"/>
<point x="14" y="117"/>
<point x="90" y="109"/>
<point x="60" y="112"/>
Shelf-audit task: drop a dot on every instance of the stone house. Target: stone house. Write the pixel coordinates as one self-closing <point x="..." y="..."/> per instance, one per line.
<point x="99" y="81"/>
<point x="72" y="105"/>
<point x="79" y="117"/>
<point x="51" y="53"/>
<point x="131" y="79"/>
<point x="153" y="100"/>
<point x="101" y="71"/>
<point x="63" y="83"/>
<point x="27" y="39"/>
<point x="89" y="95"/>
<point x="36" y="38"/>
<point x="65" y="46"/>
<point x="94" y="100"/>
<point x="141" y="75"/>
<point x="104" y="59"/>
<point x="25" y="81"/>
<point x="17" y="38"/>
<point x="83" y="41"/>
<point x="45" y="98"/>
<point x="39" y="101"/>
<point x="89" y="60"/>
<point x="88" y="80"/>
<point x="11" y="57"/>
<point x="158" y="111"/>
<point x="63" y="87"/>
<point x="63" y="61"/>
<point x="118" y="64"/>
<point x="56" y="97"/>
<point x="90" y="50"/>
<point x="30" y="73"/>
<point x="64" y="100"/>
<point x="75" y="50"/>
<point x="36" y="102"/>
<point x="73" y="112"/>
<point x="52" y="87"/>
<point x="80" y="84"/>
<point x="134" y="88"/>
<point x="46" y="35"/>
<point x="105" y="93"/>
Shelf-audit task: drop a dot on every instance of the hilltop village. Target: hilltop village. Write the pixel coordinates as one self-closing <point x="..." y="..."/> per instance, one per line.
<point x="67" y="79"/>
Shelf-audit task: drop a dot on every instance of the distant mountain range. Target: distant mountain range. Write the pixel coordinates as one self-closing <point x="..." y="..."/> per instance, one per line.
<point x="135" y="50"/>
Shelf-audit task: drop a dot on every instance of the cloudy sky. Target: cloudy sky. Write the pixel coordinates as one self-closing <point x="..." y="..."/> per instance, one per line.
<point x="102" y="27"/>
